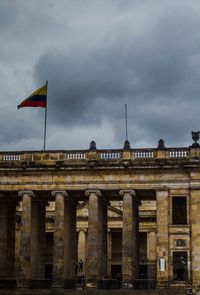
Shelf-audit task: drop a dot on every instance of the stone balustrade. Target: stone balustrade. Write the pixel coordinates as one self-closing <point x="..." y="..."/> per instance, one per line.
<point x="83" y="156"/>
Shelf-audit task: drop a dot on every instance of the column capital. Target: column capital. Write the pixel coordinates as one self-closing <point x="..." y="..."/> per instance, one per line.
<point x="21" y="193"/>
<point x="60" y="192"/>
<point x="127" y="191"/>
<point x="93" y="191"/>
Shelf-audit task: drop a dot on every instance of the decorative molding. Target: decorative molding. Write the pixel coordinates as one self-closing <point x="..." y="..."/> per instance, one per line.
<point x="60" y="192"/>
<point x="93" y="191"/>
<point x="127" y="191"/>
<point x="29" y="193"/>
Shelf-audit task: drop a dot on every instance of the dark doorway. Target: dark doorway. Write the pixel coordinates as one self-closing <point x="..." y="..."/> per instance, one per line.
<point x="179" y="210"/>
<point x="48" y="271"/>
<point x="116" y="270"/>
<point x="143" y="272"/>
<point x="180" y="272"/>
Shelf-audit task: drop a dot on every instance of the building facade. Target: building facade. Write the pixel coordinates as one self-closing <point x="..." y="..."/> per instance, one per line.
<point x="131" y="214"/>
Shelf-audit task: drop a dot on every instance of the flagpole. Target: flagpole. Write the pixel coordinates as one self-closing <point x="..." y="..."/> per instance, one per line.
<point x="45" y="123"/>
<point x="126" y="120"/>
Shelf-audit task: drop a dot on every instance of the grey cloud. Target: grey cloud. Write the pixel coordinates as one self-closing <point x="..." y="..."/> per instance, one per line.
<point x="99" y="55"/>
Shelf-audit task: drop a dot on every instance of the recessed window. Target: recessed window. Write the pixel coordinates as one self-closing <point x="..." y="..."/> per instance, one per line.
<point x="179" y="210"/>
<point x="180" y="272"/>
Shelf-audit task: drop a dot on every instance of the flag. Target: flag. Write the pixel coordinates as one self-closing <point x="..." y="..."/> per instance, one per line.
<point x="36" y="99"/>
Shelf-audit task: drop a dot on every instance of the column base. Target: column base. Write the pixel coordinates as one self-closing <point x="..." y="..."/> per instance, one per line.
<point x="40" y="283"/>
<point x="23" y="283"/>
<point x="58" y="283"/>
<point x="70" y="284"/>
<point x="8" y="283"/>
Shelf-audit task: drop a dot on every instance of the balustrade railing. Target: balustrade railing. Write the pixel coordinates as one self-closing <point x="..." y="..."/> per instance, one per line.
<point x="110" y="154"/>
<point x="107" y="155"/>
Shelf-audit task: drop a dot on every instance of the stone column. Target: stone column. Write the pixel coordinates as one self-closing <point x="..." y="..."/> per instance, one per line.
<point x="82" y="246"/>
<point x="70" y="243"/>
<point x="130" y="235"/>
<point x="38" y="238"/>
<point x="104" y="238"/>
<point x="58" y="248"/>
<point x="97" y="237"/>
<point x="162" y="250"/>
<point x="3" y="237"/>
<point x="151" y="254"/>
<point x="7" y="237"/>
<point x="11" y="239"/>
<point x="25" y="239"/>
<point x="195" y="239"/>
<point x="109" y="260"/>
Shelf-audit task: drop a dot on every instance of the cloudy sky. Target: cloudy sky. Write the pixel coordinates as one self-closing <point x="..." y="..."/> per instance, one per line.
<point x="98" y="55"/>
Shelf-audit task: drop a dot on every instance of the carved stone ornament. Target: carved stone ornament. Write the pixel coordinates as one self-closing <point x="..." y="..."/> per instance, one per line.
<point x="60" y="192"/>
<point x="127" y="145"/>
<point x="29" y="193"/>
<point x="180" y="243"/>
<point x="161" y="144"/>
<point x="127" y="191"/>
<point x="93" y="146"/>
<point x="195" y="138"/>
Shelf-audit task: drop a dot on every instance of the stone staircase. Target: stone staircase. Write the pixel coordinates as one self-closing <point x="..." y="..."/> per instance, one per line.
<point x="54" y="291"/>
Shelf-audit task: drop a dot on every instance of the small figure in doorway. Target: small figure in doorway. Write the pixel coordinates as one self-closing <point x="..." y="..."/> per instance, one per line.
<point x="80" y="265"/>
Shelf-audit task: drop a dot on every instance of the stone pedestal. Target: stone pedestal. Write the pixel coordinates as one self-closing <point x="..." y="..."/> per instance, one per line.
<point x="162" y="250"/>
<point x="130" y="235"/>
<point x="58" y="248"/>
<point x="97" y="237"/>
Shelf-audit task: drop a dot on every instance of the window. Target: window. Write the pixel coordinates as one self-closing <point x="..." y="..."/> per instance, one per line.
<point x="180" y="272"/>
<point x="179" y="210"/>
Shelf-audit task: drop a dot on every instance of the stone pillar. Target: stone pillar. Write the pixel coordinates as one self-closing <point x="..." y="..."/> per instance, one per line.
<point x="70" y="243"/>
<point x="97" y="237"/>
<point x="151" y="254"/>
<point x="130" y="235"/>
<point x="3" y="237"/>
<point x="58" y="248"/>
<point x="82" y="246"/>
<point x="25" y="239"/>
<point x="11" y="239"/>
<point x="109" y="252"/>
<point x="162" y="250"/>
<point x="195" y="239"/>
<point x="38" y="238"/>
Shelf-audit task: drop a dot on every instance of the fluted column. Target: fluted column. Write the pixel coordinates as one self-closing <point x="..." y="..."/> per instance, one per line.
<point x="130" y="235"/>
<point x="25" y="239"/>
<point x="58" y="248"/>
<point x="70" y="243"/>
<point x="97" y="237"/>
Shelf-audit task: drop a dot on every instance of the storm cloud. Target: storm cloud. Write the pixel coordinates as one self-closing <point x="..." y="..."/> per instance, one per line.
<point x="97" y="56"/>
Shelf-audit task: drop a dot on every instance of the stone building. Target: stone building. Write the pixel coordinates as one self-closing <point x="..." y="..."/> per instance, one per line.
<point x="130" y="214"/>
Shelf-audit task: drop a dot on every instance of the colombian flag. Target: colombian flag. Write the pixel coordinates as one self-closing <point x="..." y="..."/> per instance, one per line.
<point x="36" y="99"/>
